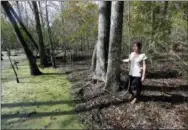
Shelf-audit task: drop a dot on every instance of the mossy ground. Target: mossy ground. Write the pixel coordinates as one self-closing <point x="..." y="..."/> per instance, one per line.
<point x="48" y="93"/>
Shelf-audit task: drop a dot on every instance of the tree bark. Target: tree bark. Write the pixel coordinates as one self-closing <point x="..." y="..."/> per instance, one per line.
<point x="50" y="39"/>
<point x="22" y="25"/>
<point x="32" y="61"/>
<point x="43" y="56"/>
<point x="93" y="60"/>
<point x="114" y="57"/>
<point x="103" y="40"/>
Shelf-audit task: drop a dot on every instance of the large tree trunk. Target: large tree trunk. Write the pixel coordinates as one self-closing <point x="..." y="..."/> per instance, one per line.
<point x="43" y="56"/>
<point x="103" y="40"/>
<point x="22" y="25"/>
<point x="93" y="60"/>
<point x="114" y="57"/>
<point x="50" y="39"/>
<point x="32" y="61"/>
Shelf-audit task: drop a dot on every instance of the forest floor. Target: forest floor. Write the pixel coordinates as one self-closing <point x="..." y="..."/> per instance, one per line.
<point x="37" y="102"/>
<point x="45" y="101"/>
<point x="164" y="101"/>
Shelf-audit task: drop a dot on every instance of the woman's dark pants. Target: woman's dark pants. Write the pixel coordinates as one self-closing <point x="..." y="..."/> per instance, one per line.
<point x="138" y="85"/>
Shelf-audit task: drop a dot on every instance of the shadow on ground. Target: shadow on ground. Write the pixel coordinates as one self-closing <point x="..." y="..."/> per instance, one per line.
<point x="27" y="104"/>
<point x="173" y="98"/>
<point x="165" y="88"/>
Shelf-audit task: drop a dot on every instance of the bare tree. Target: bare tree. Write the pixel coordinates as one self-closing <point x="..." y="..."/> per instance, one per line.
<point x="50" y="38"/>
<point x="43" y="56"/>
<point x="22" y="25"/>
<point x="32" y="61"/>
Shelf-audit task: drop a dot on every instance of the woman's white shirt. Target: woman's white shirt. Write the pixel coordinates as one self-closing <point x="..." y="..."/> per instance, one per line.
<point x="135" y="63"/>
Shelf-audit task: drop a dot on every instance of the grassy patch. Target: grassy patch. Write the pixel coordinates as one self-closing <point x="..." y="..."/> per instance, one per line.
<point x="43" y="96"/>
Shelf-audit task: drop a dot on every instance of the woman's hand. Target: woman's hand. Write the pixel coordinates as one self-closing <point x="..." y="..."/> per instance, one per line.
<point x="143" y="78"/>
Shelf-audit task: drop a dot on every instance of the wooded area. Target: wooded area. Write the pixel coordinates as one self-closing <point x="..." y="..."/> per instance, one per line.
<point x="86" y="41"/>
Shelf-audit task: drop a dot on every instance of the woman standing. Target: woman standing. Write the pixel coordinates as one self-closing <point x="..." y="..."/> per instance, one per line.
<point x="137" y="69"/>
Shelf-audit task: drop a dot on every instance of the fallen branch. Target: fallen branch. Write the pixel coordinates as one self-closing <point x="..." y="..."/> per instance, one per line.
<point x="103" y="101"/>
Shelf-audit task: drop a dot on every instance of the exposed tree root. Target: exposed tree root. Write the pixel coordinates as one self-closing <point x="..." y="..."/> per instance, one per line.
<point x="163" y="104"/>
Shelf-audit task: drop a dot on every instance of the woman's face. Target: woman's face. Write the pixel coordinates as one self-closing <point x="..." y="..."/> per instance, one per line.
<point x="135" y="48"/>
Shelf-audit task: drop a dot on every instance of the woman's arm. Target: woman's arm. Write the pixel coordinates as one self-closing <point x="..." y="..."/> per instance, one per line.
<point x="126" y="60"/>
<point x="144" y="70"/>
